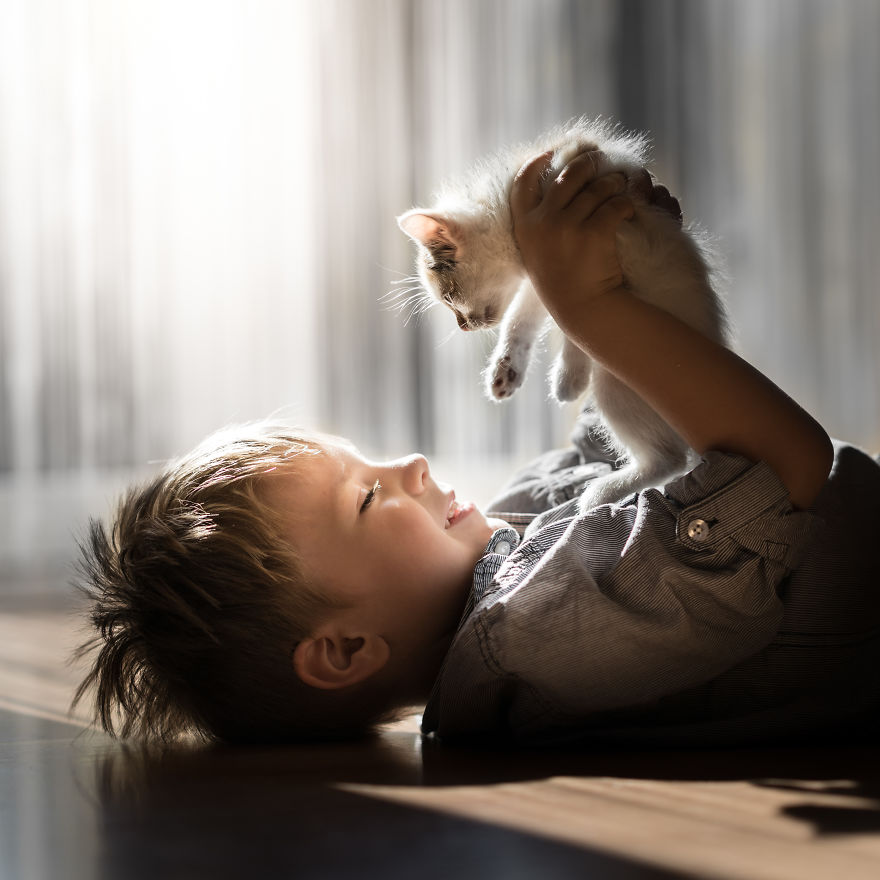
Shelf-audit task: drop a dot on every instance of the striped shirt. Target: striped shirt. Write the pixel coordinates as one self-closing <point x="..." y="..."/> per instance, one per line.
<point x="709" y="613"/>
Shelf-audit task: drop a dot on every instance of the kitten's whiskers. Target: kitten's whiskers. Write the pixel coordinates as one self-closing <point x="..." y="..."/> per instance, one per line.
<point x="409" y="280"/>
<point x="412" y="299"/>
<point x="421" y="306"/>
<point x="394" y="295"/>
<point x="446" y="338"/>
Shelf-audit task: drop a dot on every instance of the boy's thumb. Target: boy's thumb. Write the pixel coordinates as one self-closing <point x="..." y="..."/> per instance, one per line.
<point x="525" y="194"/>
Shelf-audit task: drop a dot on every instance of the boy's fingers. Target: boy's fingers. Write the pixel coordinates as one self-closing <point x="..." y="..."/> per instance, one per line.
<point x="662" y="198"/>
<point x="592" y="196"/>
<point x="577" y="174"/>
<point x="614" y="211"/>
<point x="641" y="183"/>
<point x="525" y="194"/>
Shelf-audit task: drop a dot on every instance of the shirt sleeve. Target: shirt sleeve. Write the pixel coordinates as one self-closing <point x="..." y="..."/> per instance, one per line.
<point x="632" y="603"/>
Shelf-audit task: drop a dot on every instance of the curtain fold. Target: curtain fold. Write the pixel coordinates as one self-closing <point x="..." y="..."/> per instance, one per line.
<point x="197" y="205"/>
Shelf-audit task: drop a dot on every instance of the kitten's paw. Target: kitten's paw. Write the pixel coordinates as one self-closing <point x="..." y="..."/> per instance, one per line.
<point x="503" y="378"/>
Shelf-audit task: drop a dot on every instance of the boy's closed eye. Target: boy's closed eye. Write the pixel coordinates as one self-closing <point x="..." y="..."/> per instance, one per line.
<point x="368" y="500"/>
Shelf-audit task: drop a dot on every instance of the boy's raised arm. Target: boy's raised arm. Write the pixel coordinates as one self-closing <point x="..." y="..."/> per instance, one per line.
<point x="711" y="396"/>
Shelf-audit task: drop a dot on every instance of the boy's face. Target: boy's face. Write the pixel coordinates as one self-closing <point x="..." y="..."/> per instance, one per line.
<point x="385" y="538"/>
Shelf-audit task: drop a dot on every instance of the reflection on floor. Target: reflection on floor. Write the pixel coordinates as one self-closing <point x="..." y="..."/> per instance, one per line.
<point x="75" y="804"/>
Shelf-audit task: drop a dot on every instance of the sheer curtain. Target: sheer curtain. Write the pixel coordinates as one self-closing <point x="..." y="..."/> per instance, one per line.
<point x="411" y="92"/>
<point x="765" y="117"/>
<point x="155" y="243"/>
<point x="197" y="205"/>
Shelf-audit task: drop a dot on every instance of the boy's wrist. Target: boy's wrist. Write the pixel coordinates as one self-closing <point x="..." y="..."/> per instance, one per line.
<point x="586" y="318"/>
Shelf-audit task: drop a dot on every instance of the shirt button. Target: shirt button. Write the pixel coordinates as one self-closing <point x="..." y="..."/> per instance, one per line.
<point x="698" y="530"/>
<point x="502" y="548"/>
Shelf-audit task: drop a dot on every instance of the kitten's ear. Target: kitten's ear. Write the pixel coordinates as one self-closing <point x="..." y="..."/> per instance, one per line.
<point x="431" y="230"/>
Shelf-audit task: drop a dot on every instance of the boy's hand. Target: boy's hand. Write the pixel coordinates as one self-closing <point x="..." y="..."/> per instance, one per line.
<point x="567" y="233"/>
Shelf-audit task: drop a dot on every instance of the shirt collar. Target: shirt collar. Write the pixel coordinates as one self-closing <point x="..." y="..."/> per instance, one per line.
<point x="518" y="521"/>
<point x="502" y="543"/>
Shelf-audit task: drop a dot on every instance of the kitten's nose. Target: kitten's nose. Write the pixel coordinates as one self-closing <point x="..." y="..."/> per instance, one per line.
<point x="463" y="322"/>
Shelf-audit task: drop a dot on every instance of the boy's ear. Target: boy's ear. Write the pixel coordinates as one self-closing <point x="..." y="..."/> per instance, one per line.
<point x="331" y="660"/>
<point x="431" y="230"/>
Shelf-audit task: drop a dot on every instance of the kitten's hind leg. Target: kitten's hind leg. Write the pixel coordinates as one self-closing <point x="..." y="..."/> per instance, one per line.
<point x="520" y="328"/>
<point x="570" y="374"/>
<point x="654" y="451"/>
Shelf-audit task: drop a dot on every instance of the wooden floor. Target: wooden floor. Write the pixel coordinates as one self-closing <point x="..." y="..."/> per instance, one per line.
<point x="74" y="804"/>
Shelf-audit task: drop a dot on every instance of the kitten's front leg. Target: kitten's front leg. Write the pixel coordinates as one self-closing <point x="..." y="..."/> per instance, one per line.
<point x="510" y="360"/>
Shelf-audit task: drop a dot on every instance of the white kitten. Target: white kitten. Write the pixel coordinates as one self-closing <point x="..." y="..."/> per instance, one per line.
<point x="468" y="259"/>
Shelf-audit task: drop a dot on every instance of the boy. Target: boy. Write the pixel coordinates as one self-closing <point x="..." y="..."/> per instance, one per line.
<point x="274" y="586"/>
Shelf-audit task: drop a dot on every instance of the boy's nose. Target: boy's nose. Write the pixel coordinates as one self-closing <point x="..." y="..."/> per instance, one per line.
<point x="415" y="473"/>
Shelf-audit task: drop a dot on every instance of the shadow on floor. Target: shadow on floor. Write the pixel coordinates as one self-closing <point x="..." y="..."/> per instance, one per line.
<point x="78" y="805"/>
<point x="404" y="758"/>
<point x="105" y="809"/>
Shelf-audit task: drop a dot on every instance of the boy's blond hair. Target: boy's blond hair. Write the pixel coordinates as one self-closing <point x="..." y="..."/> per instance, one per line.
<point x="198" y="603"/>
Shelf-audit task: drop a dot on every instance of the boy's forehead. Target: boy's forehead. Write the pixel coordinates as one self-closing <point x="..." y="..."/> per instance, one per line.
<point x="308" y="483"/>
<point x="308" y="480"/>
<point x="341" y="448"/>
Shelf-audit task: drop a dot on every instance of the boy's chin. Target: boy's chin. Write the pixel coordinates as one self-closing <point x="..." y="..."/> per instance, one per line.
<point x="496" y="524"/>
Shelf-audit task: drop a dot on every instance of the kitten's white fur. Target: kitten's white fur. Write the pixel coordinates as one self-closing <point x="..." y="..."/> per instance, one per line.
<point x="468" y="260"/>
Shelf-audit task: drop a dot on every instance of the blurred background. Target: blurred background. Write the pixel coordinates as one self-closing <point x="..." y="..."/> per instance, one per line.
<point x="197" y="203"/>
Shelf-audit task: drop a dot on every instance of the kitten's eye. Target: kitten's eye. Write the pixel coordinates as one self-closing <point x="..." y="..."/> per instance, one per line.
<point x="442" y="250"/>
<point x="442" y="256"/>
<point x="441" y="266"/>
<point x="371" y="495"/>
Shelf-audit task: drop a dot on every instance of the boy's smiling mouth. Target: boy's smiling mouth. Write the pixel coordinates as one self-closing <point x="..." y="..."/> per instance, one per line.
<point x="457" y="511"/>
